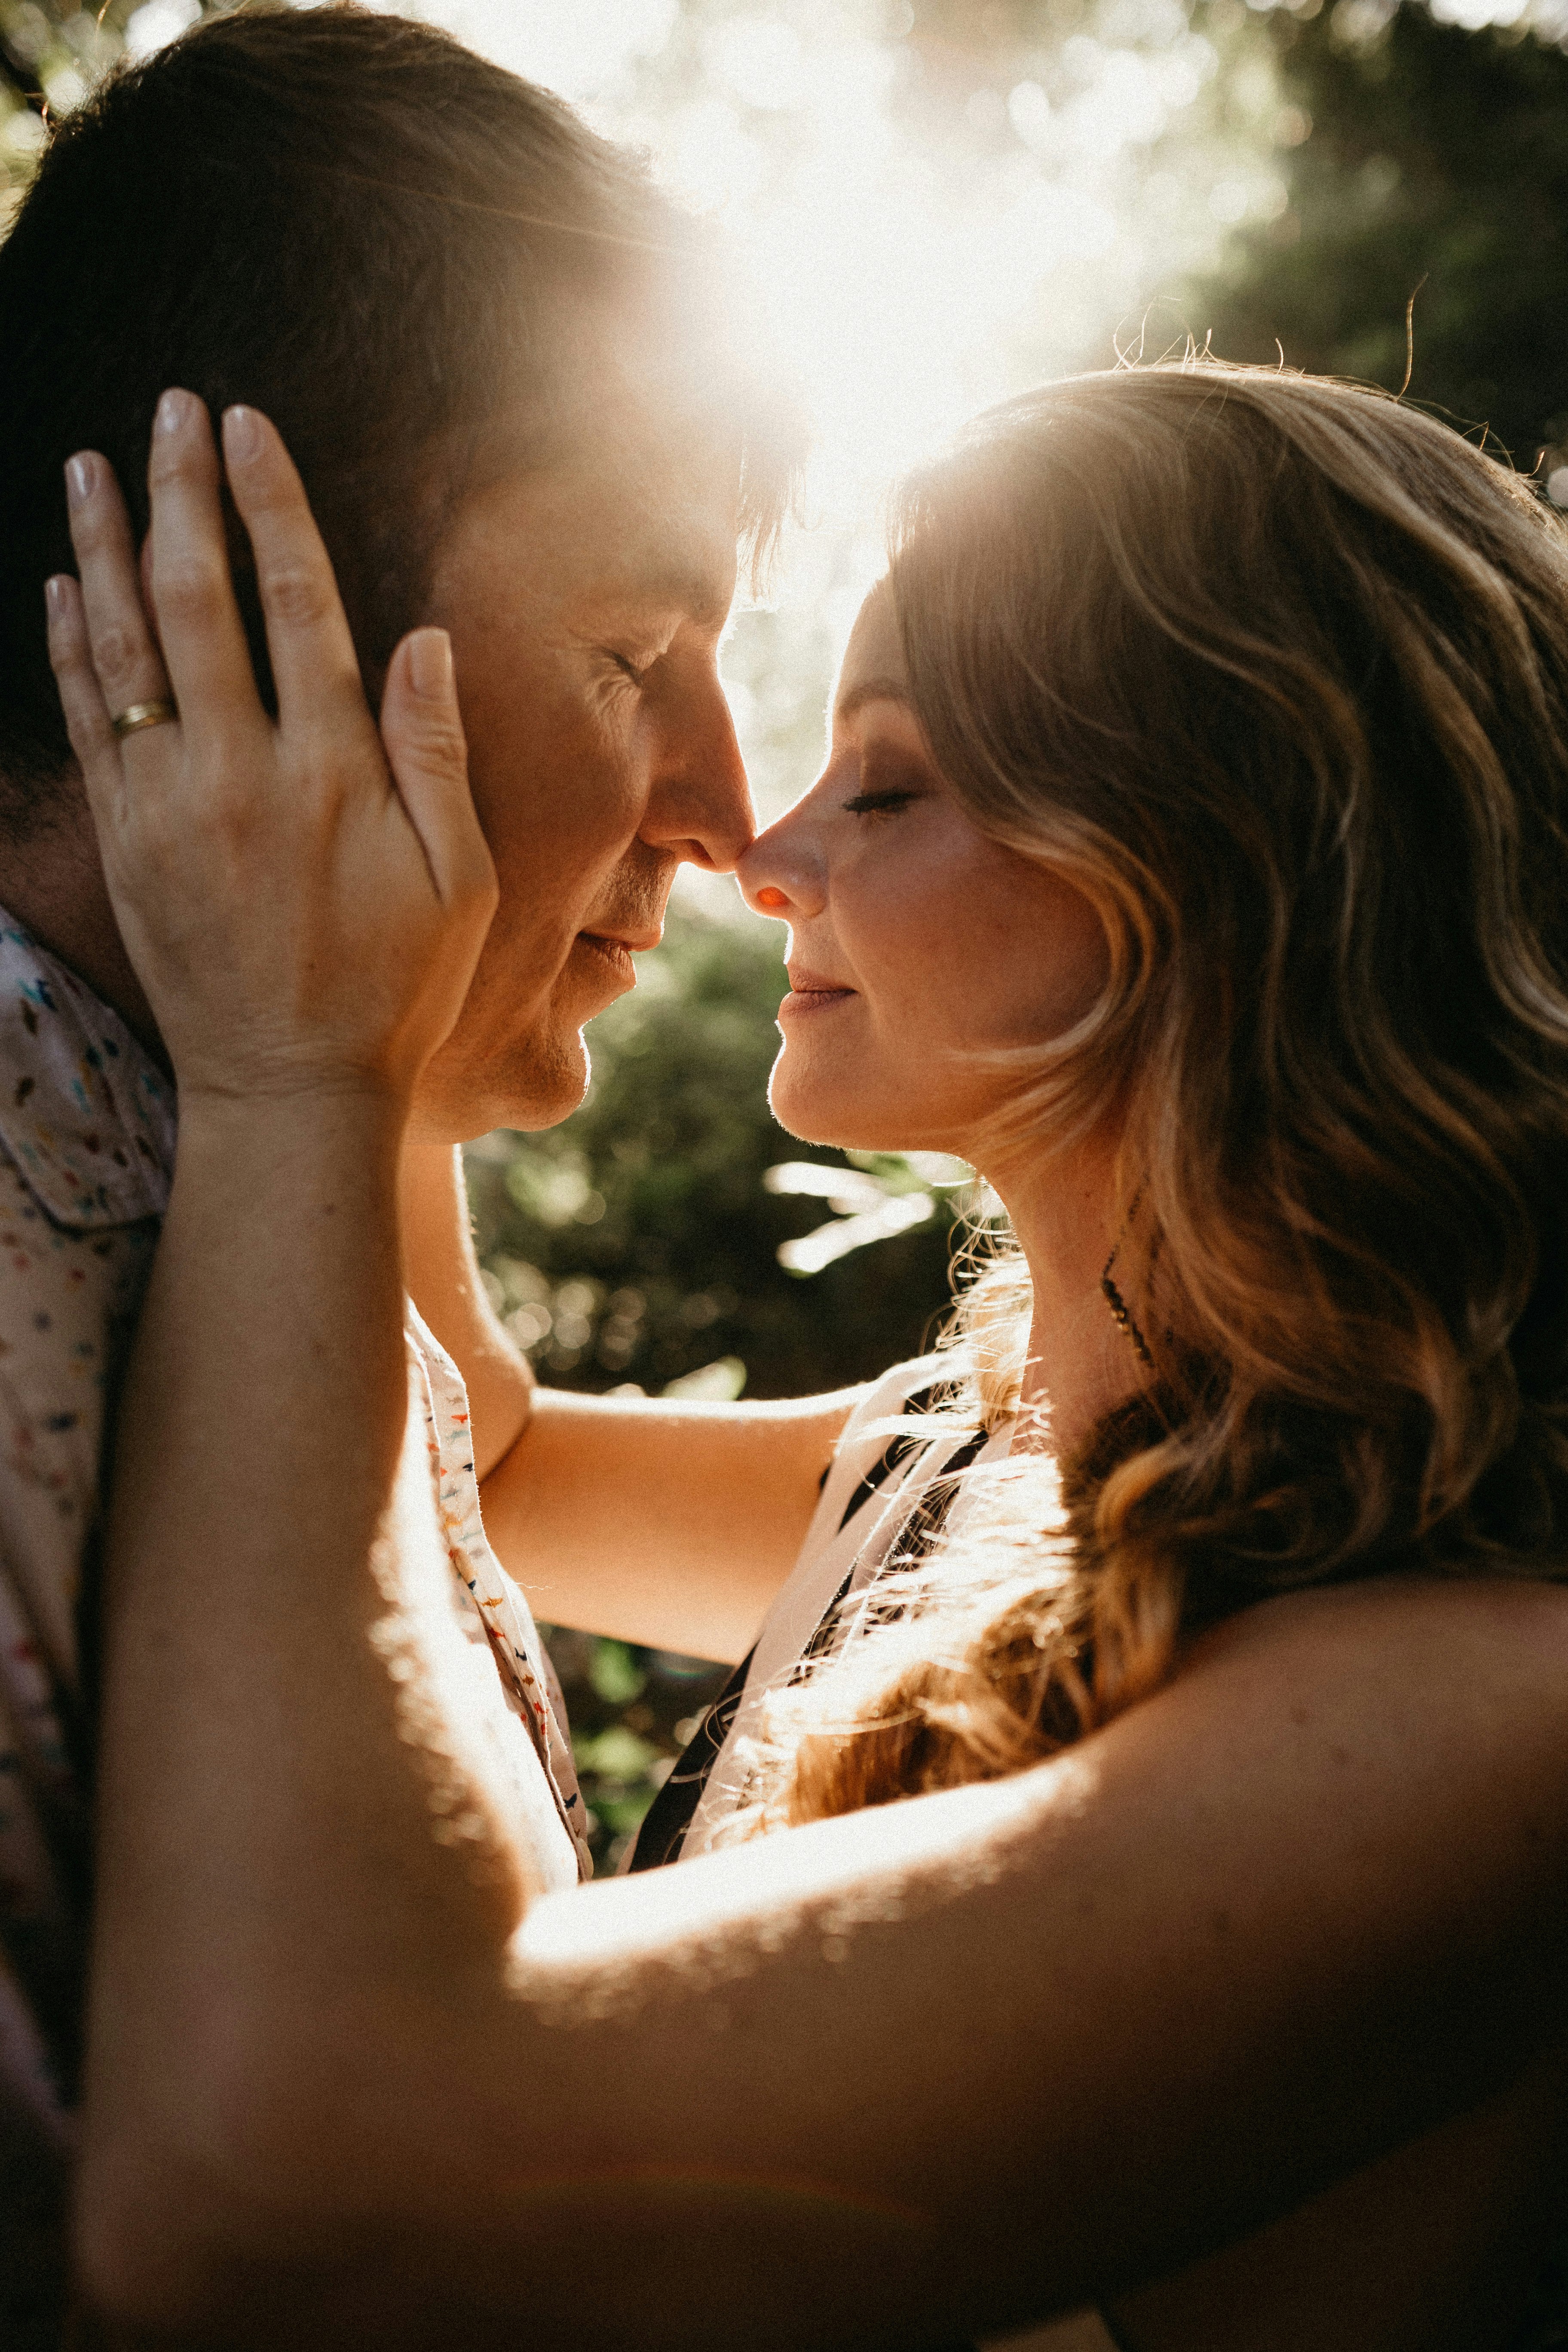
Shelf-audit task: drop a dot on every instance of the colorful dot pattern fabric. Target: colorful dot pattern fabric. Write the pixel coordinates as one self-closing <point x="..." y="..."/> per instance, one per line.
<point x="87" y="1147"/>
<point x="86" y="1144"/>
<point x="493" y="1608"/>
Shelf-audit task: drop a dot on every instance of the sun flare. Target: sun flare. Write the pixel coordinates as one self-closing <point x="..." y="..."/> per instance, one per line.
<point x="928" y="221"/>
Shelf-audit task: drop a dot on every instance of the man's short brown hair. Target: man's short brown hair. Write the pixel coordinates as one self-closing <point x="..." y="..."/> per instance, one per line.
<point x="353" y="223"/>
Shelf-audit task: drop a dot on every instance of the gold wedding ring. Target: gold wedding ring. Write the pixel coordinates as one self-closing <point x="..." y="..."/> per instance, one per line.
<point x="143" y="714"/>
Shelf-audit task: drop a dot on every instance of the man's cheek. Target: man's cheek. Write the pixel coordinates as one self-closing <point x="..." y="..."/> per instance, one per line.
<point x="537" y="846"/>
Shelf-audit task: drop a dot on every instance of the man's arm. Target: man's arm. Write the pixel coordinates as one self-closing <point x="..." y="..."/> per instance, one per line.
<point x="443" y="1277"/>
<point x="651" y="1520"/>
<point x="952" y="2063"/>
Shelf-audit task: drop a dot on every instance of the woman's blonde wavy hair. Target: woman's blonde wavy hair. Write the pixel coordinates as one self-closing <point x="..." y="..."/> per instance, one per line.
<point x="1275" y="670"/>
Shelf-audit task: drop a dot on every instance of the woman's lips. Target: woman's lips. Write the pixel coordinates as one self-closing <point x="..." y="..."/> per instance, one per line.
<point x="809" y="994"/>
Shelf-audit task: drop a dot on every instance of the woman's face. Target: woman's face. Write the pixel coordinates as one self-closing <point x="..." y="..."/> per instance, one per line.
<point x="914" y="939"/>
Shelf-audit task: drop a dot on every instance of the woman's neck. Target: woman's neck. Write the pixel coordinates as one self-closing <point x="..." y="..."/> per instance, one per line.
<point x="1067" y="1220"/>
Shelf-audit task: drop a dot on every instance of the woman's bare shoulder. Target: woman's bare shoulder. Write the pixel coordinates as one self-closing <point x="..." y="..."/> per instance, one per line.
<point x="1392" y="1633"/>
<point x="1400" y="1742"/>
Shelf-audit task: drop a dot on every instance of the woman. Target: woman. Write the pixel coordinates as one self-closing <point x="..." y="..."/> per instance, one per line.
<point x="1191" y="858"/>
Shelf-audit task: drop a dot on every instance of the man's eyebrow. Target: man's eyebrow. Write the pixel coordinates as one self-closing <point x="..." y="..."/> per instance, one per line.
<point x="691" y="587"/>
<point x="871" y="689"/>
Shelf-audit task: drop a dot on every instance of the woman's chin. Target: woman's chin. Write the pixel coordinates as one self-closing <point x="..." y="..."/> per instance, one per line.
<point x="817" y="1106"/>
<point x="803" y="1106"/>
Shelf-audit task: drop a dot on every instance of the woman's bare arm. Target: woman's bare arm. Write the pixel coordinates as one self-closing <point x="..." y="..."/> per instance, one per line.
<point x="659" y="1521"/>
<point x="942" y="2067"/>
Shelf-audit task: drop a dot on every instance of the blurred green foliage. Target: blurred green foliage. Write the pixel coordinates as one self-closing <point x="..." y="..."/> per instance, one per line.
<point x="632" y="1711"/>
<point x="1425" y="161"/>
<point x="50" y="56"/>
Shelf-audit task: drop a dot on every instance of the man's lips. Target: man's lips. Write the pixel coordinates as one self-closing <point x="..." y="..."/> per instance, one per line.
<point x="616" y="948"/>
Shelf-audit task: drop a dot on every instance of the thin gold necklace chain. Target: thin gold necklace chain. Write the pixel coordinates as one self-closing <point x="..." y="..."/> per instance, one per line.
<point x="1122" y="1313"/>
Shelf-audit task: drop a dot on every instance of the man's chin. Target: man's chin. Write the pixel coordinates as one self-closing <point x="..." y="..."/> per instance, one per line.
<point x="532" y="1083"/>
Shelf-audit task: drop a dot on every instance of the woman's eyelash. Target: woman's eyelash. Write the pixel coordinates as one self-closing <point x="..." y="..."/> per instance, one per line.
<point x="883" y="803"/>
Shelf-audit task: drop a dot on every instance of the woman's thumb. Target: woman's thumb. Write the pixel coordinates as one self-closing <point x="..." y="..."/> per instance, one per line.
<point x="426" y="750"/>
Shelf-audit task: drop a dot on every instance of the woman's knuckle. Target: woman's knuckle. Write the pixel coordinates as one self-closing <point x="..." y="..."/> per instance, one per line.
<point x="295" y="594"/>
<point x="91" y="531"/>
<point x="116" y="651"/>
<point x="173" y="460"/>
<point x="207" y="578"/>
<point x="67" y="652"/>
<point x="269" y="493"/>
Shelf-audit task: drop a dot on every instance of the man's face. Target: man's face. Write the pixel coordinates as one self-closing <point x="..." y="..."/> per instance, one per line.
<point x="585" y="603"/>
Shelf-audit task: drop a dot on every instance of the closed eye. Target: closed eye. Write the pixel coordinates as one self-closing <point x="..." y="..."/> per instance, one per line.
<point x="883" y="803"/>
<point x="617" y="680"/>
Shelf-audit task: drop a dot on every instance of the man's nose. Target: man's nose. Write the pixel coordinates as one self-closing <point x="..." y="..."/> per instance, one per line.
<point x="700" y="808"/>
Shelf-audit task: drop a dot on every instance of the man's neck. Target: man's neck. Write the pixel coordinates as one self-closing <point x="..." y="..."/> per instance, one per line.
<point x="53" y="884"/>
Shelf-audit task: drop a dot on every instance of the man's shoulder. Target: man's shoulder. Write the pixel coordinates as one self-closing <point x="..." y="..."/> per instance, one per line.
<point x="87" y="1118"/>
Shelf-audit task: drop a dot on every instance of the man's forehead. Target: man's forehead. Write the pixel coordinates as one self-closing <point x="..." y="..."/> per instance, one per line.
<point x="635" y="498"/>
<point x="657" y="504"/>
<point x="696" y="581"/>
<point x="678" y="554"/>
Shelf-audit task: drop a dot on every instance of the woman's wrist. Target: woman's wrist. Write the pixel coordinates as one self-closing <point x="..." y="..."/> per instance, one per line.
<point x="318" y="1115"/>
<point x="320" y="1166"/>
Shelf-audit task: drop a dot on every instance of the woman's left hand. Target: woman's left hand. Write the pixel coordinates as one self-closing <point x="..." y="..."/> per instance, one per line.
<point x="303" y="898"/>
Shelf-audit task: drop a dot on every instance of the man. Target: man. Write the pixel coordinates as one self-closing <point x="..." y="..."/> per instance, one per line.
<point x="496" y="356"/>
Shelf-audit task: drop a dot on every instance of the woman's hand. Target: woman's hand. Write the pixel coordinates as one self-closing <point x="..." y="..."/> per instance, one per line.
<point x="304" y="899"/>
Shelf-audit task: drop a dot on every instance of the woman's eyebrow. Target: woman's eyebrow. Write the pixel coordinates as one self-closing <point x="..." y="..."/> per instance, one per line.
<point x="870" y="689"/>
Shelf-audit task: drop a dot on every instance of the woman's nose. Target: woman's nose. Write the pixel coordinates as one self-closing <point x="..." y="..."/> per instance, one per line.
<point x="781" y="875"/>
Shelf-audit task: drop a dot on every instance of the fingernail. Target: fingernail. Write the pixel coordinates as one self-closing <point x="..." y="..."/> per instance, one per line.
<point x="54" y="594"/>
<point x="80" y="476"/>
<point x="430" y="664"/>
<point x="241" y="434"/>
<point x="172" y="411"/>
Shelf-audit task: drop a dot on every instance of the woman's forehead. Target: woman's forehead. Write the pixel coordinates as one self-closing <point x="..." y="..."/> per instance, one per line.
<point x="874" y="657"/>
